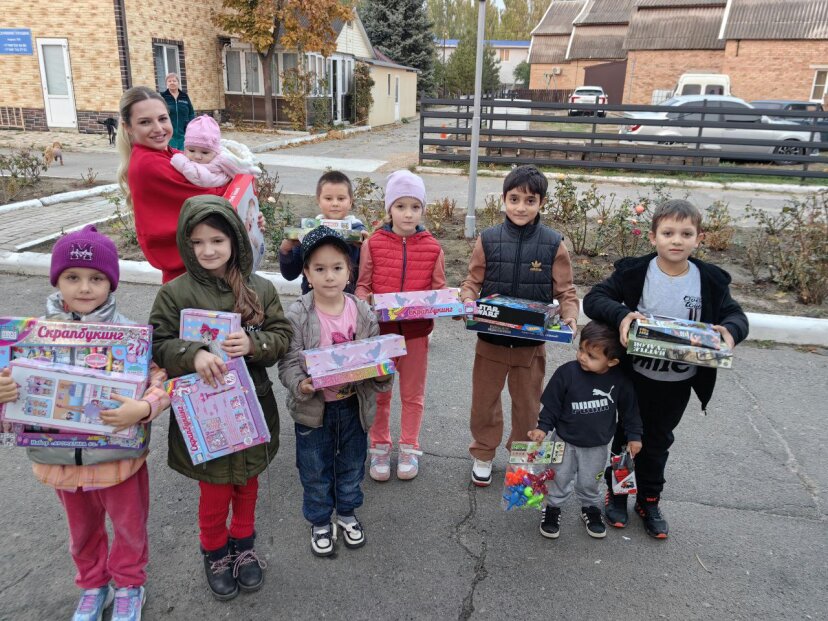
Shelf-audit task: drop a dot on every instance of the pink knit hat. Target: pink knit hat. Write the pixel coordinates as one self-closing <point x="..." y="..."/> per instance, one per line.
<point x="203" y="132"/>
<point x="85" y="248"/>
<point x="401" y="184"/>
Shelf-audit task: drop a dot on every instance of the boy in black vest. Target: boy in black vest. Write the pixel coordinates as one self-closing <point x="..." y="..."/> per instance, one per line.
<point x="525" y="259"/>
<point x="667" y="282"/>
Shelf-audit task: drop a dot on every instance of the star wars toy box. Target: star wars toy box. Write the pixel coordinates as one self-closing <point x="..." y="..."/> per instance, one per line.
<point x="208" y="327"/>
<point x="353" y="360"/>
<point x="516" y="312"/>
<point x="242" y="195"/>
<point x="408" y="305"/>
<point x="220" y="420"/>
<point x="306" y="225"/>
<point x="69" y="397"/>
<point x="530" y="467"/>
<point x="668" y="338"/>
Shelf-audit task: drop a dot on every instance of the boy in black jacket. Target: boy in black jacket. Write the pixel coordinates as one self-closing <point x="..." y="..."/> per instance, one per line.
<point x="668" y="283"/>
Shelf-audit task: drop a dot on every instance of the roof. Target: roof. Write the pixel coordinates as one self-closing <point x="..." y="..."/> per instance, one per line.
<point x="676" y="28"/>
<point x="489" y="42"/>
<point x="678" y="3"/>
<point x="548" y="49"/>
<point x="774" y="19"/>
<point x="382" y="60"/>
<point x="559" y="17"/>
<point x="607" y="12"/>
<point x="604" y="41"/>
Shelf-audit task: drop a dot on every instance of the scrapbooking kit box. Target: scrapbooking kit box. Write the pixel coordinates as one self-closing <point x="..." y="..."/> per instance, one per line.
<point x="354" y="360"/>
<point x="242" y="195"/>
<point x="557" y="334"/>
<point x="680" y="340"/>
<point x="220" y="420"/>
<point x="208" y="327"/>
<point x="408" y="305"/>
<point x="516" y="312"/>
<point x="530" y="467"/>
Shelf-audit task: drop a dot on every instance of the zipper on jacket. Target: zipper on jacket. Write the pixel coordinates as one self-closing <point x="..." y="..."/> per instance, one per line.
<point x="405" y="259"/>
<point x="517" y="263"/>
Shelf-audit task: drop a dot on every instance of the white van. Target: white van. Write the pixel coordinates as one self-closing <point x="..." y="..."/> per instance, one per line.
<point x="703" y="84"/>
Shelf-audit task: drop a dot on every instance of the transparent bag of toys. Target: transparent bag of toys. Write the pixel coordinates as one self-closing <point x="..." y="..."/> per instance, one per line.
<point x="530" y="467"/>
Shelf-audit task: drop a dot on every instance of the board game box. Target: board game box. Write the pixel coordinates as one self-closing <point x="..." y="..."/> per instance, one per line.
<point x="208" y="327"/>
<point x="242" y="195"/>
<point x="516" y="311"/>
<point x="690" y="342"/>
<point x="408" y="305"/>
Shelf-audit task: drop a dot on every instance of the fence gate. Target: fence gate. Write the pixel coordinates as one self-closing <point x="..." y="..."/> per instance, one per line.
<point x="610" y="76"/>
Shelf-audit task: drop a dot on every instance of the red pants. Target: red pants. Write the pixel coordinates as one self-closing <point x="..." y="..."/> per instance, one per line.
<point x="214" y="507"/>
<point x="411" y="375"/>
<point x="127" y="505"/>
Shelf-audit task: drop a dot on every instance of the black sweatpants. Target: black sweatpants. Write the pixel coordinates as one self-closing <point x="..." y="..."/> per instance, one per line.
<point x="662" y="405"/>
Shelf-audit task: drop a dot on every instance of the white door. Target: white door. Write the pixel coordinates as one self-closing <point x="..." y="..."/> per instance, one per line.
<point x="396" y="98"/>
<point x="56" y="78"/>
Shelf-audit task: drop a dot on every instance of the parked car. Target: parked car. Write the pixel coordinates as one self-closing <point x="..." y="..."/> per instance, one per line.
<point x="702" y="84"/>
<point x="722" y="109"/>
<point x="588" y="95"/>
<point x="801" y="106"/>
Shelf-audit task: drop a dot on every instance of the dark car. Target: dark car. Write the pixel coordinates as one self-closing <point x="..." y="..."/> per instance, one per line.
<point x="799" y="106"/>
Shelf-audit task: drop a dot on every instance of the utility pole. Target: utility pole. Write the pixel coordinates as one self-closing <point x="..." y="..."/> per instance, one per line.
<point x="471" y="216"/>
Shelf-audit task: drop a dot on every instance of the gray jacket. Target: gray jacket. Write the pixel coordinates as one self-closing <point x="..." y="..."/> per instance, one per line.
<point x="309" y="410"/>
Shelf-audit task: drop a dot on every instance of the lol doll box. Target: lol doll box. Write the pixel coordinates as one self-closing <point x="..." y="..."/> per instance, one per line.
<point x="242" y="195"/>
<point x="68" y="397"/>
<point x="409" y="305"/>
<point x="555" y="334"/>
<point x="516" y="312"/>
<point x="221" y="420"/>
<point x="354" y="360"/>
<point x="208" y="327"/>
<point x="680" y="340"/>
<point x="530" y="467"/>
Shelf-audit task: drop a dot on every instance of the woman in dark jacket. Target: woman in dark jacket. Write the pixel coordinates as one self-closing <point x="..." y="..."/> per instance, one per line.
<point x="181" y="110"/>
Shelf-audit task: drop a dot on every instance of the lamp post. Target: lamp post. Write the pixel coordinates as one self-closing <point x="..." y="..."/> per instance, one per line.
<point x="475" y="144"/>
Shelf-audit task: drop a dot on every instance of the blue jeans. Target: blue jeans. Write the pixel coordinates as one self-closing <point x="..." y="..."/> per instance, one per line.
<point x="331" y="462"/>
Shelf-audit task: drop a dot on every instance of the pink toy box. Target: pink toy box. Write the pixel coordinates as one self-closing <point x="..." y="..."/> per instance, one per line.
<point x="242" y="195"/>
<point x="354" y="360"/>
<point x="409" y="305"/>
<point x="355" y="374"/>
<point x="208" y="327"/>
<point x="221" y="420"/>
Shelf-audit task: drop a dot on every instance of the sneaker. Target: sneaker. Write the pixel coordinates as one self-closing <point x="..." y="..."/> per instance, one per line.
<point x="218" y="566"/>
<point x="352" y="533"/>
<point x="128" y="604"/>
<point x="615" y="509"/>
<point x="408" y="465"/>
<point x="551" y="522"/>
<point x="380" y="469"/>
<point x="247" y="566"/>
<point x="654" y="522"/>
<point x="323" y="540"/>
<point x="92" y="604"/>
<point x="594" y="524"/>
<point x="482" y="473"/>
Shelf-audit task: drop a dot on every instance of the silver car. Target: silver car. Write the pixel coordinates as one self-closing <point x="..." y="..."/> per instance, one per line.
<point x="722" y="109"/>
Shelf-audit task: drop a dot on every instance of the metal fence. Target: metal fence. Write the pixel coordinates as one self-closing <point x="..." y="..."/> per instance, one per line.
<point x="707" y="138"/>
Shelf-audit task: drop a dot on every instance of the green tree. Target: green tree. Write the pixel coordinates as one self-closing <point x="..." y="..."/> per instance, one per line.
<point x="521" y="74"/>
<point x="460" y="67"/>
<point x="537" y="9"/>
<point x="514" y="21"/>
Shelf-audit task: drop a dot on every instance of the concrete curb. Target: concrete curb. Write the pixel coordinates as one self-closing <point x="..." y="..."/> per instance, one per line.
<point x="289" y="142"/>
<point x="778" y="328"/>
<point x="63" y="197"/>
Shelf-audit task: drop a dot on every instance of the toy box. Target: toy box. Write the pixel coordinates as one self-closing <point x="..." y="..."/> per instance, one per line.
<point x="221" y="420"/>
<point x="306" y="225"/>
<point x="353" y="374"/>
<point x="409" y="305"/>
<point x="517" y="312"/>
<point x="353" y="354"/>
<point x="555" y="334"/>
<point x="690" y="342"/>
<point x="338" y="225"/>
<point x="623" y="474"/>
<point x="103" y="346"/>
<point x="530" y="467"/>
<point x="68" y="397"/>
<point x="29" y="436"/>
<point x="208" y="327"/>
<point x="242" y="195"/>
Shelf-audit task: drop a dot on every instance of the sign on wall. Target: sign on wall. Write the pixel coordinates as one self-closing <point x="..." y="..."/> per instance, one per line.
<point x="15" y="41"/>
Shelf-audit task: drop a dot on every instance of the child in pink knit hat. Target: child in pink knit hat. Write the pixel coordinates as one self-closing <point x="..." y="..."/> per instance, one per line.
<point x="208" y="161"/>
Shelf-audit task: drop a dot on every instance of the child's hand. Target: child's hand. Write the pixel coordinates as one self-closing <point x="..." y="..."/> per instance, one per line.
<point x="634" y="446"/>
<point x="624" y="328"/>
<point x="157" y="375"/>
<point x="8" y="387"/>
<point x="726" y="335"/>
<point x="129" y="413"/>
<point x="536" y="435"/>
<point x="261" y="222"/>
<point x="306" y="386"/>
<point x="210" y="367"/>
<point x="572" y="323"/>
<point x="364" y="234"/>
<point x="237" y="344"/>
<point x="287" y="245"/>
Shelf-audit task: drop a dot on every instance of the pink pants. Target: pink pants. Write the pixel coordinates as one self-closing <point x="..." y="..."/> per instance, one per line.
<point x="127" y="505"/>
<point x="411" y="375"/>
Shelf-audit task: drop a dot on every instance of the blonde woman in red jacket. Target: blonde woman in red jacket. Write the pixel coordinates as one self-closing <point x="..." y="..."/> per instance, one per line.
<point x="410" y="260"/>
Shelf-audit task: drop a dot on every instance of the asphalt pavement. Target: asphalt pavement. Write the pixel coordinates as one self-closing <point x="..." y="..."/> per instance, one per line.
<point x="745" y="500"/>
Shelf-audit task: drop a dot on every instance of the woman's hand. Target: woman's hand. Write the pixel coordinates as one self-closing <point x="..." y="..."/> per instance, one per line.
<point x="306" y="386"/>
<point x="624" y="328"/>
<point x="210" y="367"/>
<point x="237" y="344"/>
<point x="129" y="413"/>
<point x="8" y="387"/>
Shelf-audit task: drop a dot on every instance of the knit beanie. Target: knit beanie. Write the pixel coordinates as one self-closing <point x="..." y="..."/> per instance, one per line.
<point x="85" y="248"/>
<point x="402" y="184"/>
<point x="203" y="132"/>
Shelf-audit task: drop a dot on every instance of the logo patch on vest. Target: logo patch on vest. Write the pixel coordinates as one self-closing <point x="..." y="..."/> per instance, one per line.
<point x="535" y="266"/>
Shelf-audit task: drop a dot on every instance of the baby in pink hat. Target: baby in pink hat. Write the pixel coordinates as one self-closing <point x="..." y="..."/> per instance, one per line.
<point x="208" y="161"/>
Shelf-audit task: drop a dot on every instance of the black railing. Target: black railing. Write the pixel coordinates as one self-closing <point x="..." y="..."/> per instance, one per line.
<point x="704" y="138"/>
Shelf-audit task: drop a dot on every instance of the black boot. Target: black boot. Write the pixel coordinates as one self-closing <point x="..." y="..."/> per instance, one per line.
<point x="248" y="568"/>
<point x="218" y="565"/>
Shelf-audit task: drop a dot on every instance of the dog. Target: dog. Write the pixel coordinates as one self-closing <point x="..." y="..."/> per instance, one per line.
<point x="111" y="125"/>
<point x="53" y="154"/>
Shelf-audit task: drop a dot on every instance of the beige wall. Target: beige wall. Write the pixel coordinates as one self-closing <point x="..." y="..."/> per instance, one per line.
<point x="382" y="112"/>
<point x="351" y="41"/>
<point x="649" y="70"/>
<point x="571" y="76"/>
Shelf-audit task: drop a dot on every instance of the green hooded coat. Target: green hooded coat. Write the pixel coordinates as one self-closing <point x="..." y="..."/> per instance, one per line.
<point x="271" y="340"/>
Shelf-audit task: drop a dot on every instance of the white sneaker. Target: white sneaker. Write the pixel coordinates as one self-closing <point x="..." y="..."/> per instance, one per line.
<point x="482" y="473"/>
<point x="408" y="465"/>
<point x="380" y="469"/>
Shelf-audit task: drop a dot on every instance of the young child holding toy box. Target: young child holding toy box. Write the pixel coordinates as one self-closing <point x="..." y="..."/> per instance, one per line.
<point x="332" y="423"/>
<point x="410" y="259"/>
<point x="335" y="197"/>
<point x="581" y="404"/>
<point x="216" y="252"/>
<point x="667" y="282"/>
<point x="92" y="484"/>
<point x="521" y="258"/>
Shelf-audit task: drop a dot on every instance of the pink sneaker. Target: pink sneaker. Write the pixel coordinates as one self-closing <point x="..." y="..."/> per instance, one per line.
<point x="408" y="465"/>
<point x="380" y="462"/>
